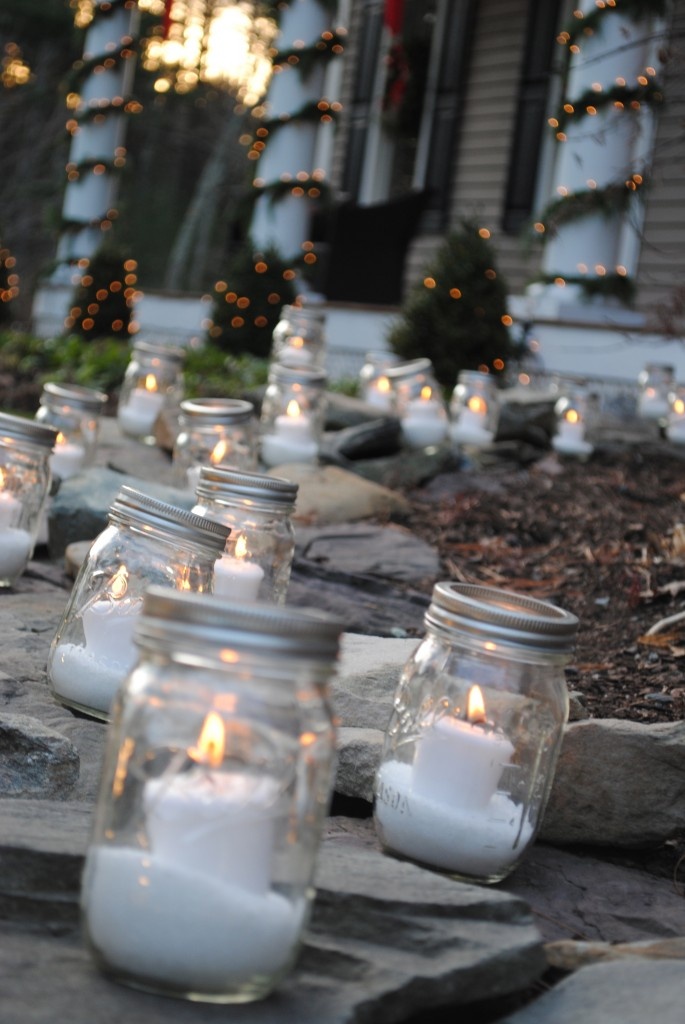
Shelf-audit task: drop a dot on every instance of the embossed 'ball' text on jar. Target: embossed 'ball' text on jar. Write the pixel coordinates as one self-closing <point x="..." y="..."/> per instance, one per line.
<point x="216" y="781"/>
<point x="147" y="542"/>
<point x="475" y="732"/>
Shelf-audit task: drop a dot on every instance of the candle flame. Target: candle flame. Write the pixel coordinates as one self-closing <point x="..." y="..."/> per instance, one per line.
<point x="426" y="392"/>
<point x="478" y="405"/>
<point x="184" y="579"/>
<point x="296" y="341"/>
<point x="475" y="705"/>
<point x="2" y="479"/>
<point x="150" y="382"/>
<point x="60" y="439"/>
<point x="679" y="407"/>
<point x="307" y="738"/>
<point x="220" y="449"/>
<point x="211" y="742"/>
<point x="119" y="583"/>
<point x="571" y="416"/>
<point x="383" y="385"/>
<point x="240" y="549"/>
<point x="293" y="408"/>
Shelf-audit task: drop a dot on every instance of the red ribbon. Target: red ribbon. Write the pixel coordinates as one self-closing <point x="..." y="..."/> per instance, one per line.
<point x="393" y="16"/>
<point x="166" y="21"/>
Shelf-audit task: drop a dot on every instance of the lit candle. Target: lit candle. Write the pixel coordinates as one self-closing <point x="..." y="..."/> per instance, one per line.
<point x="292" y="439"/>
<point x="444" y="809"/>
<point x="196" y="910"/>
<point x="137" y="417"/>
<point x="425" y="421"/>
<point x="235" y="576"/>
<point x="296" y="352"/>
<point x="471" y="425"/>
<point x="652" y="405"/>
<point x="88" y="676"/>
<point x="216" y="457"/>
<point x="570" y="436"/>
<point x="675" y="431"/>
<point x="379" y="393"/>
<point x="15" y="543"/>
<point x="67" y="458"/>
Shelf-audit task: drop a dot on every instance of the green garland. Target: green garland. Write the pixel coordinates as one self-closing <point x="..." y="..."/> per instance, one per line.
<point x="305" y="59"/>
<point x="650" y="93"/>
<point x="605" y="201"/>
<point x="310" y="113"/>
<point x="277" y="190"/>
<point x="617" y="286"/>
<point x="636" y="10"/>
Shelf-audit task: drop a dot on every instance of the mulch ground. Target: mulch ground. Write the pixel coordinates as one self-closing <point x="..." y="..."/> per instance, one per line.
<point x="604" y="539"/>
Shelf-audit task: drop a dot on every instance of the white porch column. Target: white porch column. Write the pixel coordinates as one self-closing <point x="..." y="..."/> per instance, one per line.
<point x="97" y="127"/>
<point x="609" y="145"/>
<point x="283" y="221"/>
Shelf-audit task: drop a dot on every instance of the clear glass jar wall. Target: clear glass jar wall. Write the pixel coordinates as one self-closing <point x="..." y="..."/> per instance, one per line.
<point x="299" y="337"/>
<point x="474" y="736"/>
<point x="260" y="548"/>
<point x="656" y="383"/>
<point x="216" y="432"/>
<point x="75" y="413"/>
<point x="292" y="416"/>
<point x="474" y="408"/>
<point x="217" y="775"/>
<point x="25" y="476"/>
<point x="418" y="402"/>
<point x="374" y="384"/>
<point x="147" y="542"/>
<point x="153" y="382"/>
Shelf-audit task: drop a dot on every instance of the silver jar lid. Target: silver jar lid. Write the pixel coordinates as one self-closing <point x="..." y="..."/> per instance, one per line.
<point x="410" y="369"/>
<point x="216" y="483"/>
<point x="269" y="630"/>
<point x="304" y="375"/>
<point x="216" y="410"/>
<point x="14" y="428"/>
<point x="83" y="399"/>
<point x="134" y="506"/>
<point x="502" y="616"/>
<point x="308" y="312"/>
<point x="152" y="351"/>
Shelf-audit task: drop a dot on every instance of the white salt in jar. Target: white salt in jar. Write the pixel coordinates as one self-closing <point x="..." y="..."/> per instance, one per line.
<point x="217" y="774"/>
<point x="473" y="740"/>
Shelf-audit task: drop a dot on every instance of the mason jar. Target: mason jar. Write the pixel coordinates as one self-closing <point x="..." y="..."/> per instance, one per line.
<point x="656" y="382"/>
<point x="299" y="337"/>
<point x="292" y="416"/>
<point x="146" y="542"/>
<point x="25" y="477"/>
<point x="418" y="402"/>
<point x="216" y="781"/>
<point x="571" y="423"/>
<point x="259" y="551"/>
<point x="474" y="409"/>
<point x="675" y="430"/>
<point x="216" y="432"/>
<point x="153" y="383"/>
<point x="476" y="728"/>
<point x="374" y="384"/>
<point x="75" y="413"/>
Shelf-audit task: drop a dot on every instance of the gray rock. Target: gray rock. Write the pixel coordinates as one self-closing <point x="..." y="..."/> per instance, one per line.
<point x="377" y="439"/>
<point x="526" y="415"/>
<point x="567" y="955"/>
<point x="359" y="754"/>
<point x="630" y="992"/>
<point x="34" y="759"/>
<point x="618" y="783"/>
<point x="343" y="411"/>
<point x="328" y="494"/>
<point x="389" y="552"/>
<point x="366" y="678"/>
<point x="410" y="468"/>
<point x="79" y="509"/>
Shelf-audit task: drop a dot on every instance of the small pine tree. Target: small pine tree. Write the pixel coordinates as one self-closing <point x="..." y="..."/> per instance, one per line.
<point x="248" y="302"/>
<point x="9" y="284"/>
<point x="102" y="301"/>
<point x="457" y="316"/>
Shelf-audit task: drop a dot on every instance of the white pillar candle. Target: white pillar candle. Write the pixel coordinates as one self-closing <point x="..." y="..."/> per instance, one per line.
<point x="235" y="576"/>
<point x="651" y="405"/>
<point x="296" y="353"/>
<point x="379" y="393"/>
<point x="471" y="425"/>
<point x="425" y="421"/>
<point x="166" y="923"/>
<point x="144" y="405"/>
<point x="570" y="436"/>
<point x="68" y="458"/>
<point x="15" y="551"/>
<point x="292" y="439"/>
<point x="10" y="508"/>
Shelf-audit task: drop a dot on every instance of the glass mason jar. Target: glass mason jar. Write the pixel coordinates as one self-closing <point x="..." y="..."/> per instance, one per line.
<point x="217" y="775"/>
<point x="476" y="729"/>
<point x="299" y="337"/>
<point x="259" y="551"/>
<point x="216" y="432"/>
<point x="75" y="413"/>
<point x="25" y="477"/>
<point x="675" y="430"/>
<point x="418" y="402"/>
<point x="474" y="408"/>
<point x="293" y="413"/>
<point x="146" y="542"/>
<point x="571" y="414"/>
<point x="153" y="382"/>
<point x="656" y="383"/>
<point x="374" y="384"/>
